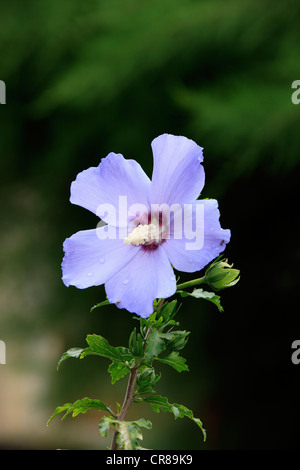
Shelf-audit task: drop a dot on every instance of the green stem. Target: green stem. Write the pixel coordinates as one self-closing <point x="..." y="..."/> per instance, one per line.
<point x="194" y="282"/>
<point x="130" y="386"/>
<point x="126" y="404"/>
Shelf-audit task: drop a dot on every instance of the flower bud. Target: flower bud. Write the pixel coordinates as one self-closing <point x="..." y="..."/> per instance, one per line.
<point x="178" y="341"/>
<point x="220" y="275"/>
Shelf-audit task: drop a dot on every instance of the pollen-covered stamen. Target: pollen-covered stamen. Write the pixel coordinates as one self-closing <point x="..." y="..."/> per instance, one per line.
<point x="144" y="235"/>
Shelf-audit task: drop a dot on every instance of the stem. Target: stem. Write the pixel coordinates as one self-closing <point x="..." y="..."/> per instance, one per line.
<point x="126" y="403"/>
<point x="129" y="394"/>
<point x="130" y="386"/>
<point x="162" y="301"/>
<point x="195" y="282"/>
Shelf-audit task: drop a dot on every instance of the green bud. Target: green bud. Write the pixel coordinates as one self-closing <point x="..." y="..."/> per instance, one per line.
<point x="147" y="375"/>
<point x="178" y="341"/>
<point x="220" y="275"/>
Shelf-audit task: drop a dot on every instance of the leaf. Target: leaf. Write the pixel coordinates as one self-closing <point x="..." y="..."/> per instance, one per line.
<point x="169" y="310"/>
<point x="80" y="406"/>
<point x="129" y="436"/>
<point x="117" y="371"/>
<point x="136" y="344"/>
<point x="129" y="433"/>
<point x="118" y="407"/>
<point x="143" y="423"/>
<point x="202" y="294"/>
<point x="125" y="353"/>
<point x="175" y="361"/>
<point x="157" y="402"/>
<point x="104" y="425"/>
<point x="160" y="403"/>
<point x="185" y="412"/>
<point x="146" y="379"/>
<point x="101" y="304"/>
<point x="121" y="357"/>
<point x="99" y="346"/>
<point x="155" y="345"/>
<point x="178" y="340"/>
<point x="73" y="352"/>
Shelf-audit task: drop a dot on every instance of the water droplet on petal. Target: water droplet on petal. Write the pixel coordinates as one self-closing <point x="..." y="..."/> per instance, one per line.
<point x="102" y="260"/>
<point x="199" y="159"/>
<point x="125" y="282"/>
<point x="91" y="256"/>
<point x="89" y="274"/>
<point x="172" y="278"/>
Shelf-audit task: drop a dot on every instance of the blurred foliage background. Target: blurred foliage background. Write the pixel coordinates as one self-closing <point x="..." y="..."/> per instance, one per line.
<point x="86" y="78"/>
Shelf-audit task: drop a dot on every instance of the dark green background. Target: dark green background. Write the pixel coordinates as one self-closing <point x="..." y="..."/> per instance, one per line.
<point x="87" y="78"/>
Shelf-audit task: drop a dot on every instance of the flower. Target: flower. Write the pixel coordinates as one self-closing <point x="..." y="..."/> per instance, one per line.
<point x="154" y="235"/>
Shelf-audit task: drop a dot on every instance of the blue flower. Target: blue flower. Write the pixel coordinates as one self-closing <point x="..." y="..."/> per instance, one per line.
<point x="162" y="225"/>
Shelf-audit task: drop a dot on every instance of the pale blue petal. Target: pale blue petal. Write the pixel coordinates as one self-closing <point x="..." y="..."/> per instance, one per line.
<point x="214" y="239"/>
<point x="103" y="185"/>
<point x="90" y="261"/>
<point x="178" y="175"/>
<point x="147" y="276"/>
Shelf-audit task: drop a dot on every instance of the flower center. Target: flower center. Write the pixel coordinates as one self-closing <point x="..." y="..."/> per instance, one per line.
<point x="144" y="235"/>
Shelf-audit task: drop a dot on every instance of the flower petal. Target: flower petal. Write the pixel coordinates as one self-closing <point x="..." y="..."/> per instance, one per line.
<point x="91" y="261"/>
<point x="147" y="276"/>
<point x="103" y="185"/>
<point x="185" y="253"/>
<point x="178" y="175"/>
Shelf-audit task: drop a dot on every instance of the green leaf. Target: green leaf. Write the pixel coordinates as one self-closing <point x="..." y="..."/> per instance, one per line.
<point x="202" y="294"/>
<point x="73" y="352"/>
<point x="163" y="316"/>
<point x="129" y="433"/>
<point x="175" y="361"/>
<point x="178" y="340"/>
<point x="118" y="408"/>
<point x="136" y="344"/>
<point x="80" y="406"/>
<point x="168" y="311"/>
<point x="143" y="327"/>
<point x="155" y="345"/>
<point x="104" y="425"/>
<point x="143" y="423"/>
<point x="125" y="354"/>
<point x="146" y="379"/>
<point x="99" y="346"/>
<point x="157" y="402"/>
<point x="160" y="403"/>
<point x="185" y="412"/>
<point x="117" y="371"/>
<point x="101" y="304"/>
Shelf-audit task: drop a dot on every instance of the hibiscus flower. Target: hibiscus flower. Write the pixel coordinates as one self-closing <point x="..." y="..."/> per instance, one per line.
<point x="162" y="225"/>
